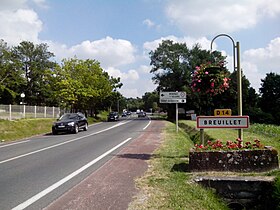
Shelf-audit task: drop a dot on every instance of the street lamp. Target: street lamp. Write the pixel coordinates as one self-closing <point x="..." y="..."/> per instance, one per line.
<point x="236" y="66"/>
<point x="22" y="95"/>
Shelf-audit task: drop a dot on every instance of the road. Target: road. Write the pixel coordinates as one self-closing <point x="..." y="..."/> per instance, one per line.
<point x="36" y="171"/>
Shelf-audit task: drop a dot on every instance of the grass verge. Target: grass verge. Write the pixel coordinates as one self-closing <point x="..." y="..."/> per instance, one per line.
<point x="24" y="128"/>
<point x="167" y="184"/>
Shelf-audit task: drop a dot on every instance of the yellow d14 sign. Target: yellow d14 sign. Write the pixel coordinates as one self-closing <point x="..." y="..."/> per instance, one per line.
<point x="222" y="112"/>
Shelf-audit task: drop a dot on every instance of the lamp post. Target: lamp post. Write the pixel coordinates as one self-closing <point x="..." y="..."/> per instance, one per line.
<point x="22" y="95"/>
<point x="236" y="66"/>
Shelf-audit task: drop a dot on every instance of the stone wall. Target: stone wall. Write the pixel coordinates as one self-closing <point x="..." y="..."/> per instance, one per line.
<point x="242" y="192"/>
<point x="234" y="160"/>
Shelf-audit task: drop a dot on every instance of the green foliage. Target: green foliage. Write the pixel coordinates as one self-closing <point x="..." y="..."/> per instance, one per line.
<point x="135" y="103"/>
<point x="19" y="129"/>
<point x="173" y="65"/>
<point x="270" y="96"/>
<point x="151" y="101"/>
<point x="77" y="84"/>
<point x="35" y="61"/>
<point x="83" y="84"/>
<point x="11" y="80"/>
<point x="265" y="129"/>
<point x="169" y="64"/>
<point x="167" y="184"/>
<point x="276" y="192"/>
<point x="210" y="79"/>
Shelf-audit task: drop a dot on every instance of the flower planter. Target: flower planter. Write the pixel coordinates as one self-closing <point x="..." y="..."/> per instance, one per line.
<point x="234" y="160"/>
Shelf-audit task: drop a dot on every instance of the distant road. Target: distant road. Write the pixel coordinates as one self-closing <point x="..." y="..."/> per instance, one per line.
<point x="36" y="171"/>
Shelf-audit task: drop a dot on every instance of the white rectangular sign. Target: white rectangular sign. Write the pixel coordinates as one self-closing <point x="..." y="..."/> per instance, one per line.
<point x="173" y="95"/>
<point x="222" y="122"/>
<point x="172" y="100"/>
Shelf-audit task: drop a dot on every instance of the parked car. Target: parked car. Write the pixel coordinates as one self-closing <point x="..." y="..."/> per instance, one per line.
<point x="113" y="116"/>
<point x="70" y="123"/>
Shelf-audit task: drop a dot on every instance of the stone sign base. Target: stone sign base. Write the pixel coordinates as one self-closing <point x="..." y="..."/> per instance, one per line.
<point x="234" y="160"/>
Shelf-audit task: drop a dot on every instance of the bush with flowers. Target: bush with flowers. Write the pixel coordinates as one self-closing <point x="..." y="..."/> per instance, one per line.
<point x="210" y="79"/>
<point x="229" y="145"/>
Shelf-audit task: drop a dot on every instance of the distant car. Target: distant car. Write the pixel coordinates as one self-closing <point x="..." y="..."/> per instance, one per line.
<point x="70" y="123"/>
<point x="113" y="116"/>
<point x="142" y="114"/>
<point x="124" y="114"/>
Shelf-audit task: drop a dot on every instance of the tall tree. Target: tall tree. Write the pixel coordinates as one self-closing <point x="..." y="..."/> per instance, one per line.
<point x="270" y="95"/>
<point x="35" y="61"/>
<point x="173" y="65"/>
<point x="83" y="84"/>
<point x="11" y="80"/>
<point x="169" y="64"/>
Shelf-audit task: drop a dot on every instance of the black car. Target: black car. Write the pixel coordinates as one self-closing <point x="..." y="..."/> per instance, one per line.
<point x="113" y="116"/>
<point x="71" y="123"/>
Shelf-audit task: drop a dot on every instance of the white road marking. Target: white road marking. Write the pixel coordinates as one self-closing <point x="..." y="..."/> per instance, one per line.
<point x="65" y="179"/>
<point x="147" y="125"/>
<point x="7" y="145"/>
<point x="66" y="142"/>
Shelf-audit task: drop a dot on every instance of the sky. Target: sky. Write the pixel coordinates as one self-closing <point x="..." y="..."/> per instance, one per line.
<point x="121" y="33"/>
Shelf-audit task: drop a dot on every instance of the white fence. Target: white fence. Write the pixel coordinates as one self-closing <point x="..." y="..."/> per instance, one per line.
<point x="11" y="112"/>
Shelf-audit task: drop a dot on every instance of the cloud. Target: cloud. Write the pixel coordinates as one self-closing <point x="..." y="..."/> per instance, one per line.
<point x="41" y="3"/>
<point x="108" y="51"/>
<point x="12" y="4"/>
<point x="151" y="24"/>
<point x="18" y="22"/>
<point x="19" y="25"/>
<point x="268" y="58"/>
<point x="258" y="62"/>
<point x="144" y="69"/>
<point x="190" y="42"/>
<point x="148" y="23"/>
<point x="130" y="76"/>
<point x="211" y="17"/>
<point x="129" y="90"/>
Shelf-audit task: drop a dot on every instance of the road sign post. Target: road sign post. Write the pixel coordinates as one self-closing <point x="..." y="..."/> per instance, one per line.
<point x="173" y="98"/>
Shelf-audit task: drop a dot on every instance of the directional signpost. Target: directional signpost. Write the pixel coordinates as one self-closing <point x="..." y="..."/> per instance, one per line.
<point x="173" y="98"/>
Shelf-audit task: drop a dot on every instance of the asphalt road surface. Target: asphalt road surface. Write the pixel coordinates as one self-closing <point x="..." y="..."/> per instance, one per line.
<point x="34" y="172"/>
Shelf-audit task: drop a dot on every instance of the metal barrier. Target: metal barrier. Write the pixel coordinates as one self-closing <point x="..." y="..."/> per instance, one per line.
<point x="11" y="112"/>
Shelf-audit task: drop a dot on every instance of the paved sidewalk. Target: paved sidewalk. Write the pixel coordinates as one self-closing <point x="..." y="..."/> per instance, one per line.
<point x="112" y="186"/>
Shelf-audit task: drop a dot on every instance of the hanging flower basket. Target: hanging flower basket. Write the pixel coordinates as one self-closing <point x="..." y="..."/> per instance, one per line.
<point x="209" y="79"/>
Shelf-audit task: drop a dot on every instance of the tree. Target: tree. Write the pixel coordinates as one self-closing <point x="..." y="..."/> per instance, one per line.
<point x="83" y="84"/>
<point x="35" y="61"/>
<point x="173" y="65"/>
<point x="270" y="96"/>
<point x="169" y="64"/>
<point x="151" y="101"/>
<point x="135" y="103"/>
<point x="11" y="80"/>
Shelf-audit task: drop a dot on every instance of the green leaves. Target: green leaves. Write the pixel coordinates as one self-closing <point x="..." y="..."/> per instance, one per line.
<point x="83" y="83"/>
